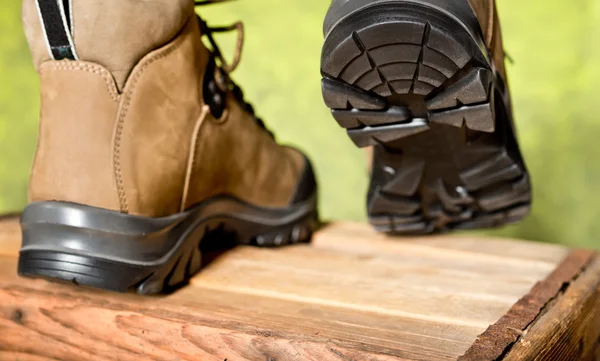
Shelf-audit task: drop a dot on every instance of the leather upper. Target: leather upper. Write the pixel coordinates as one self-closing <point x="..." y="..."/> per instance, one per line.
<point x="73" y="160"/>
<point x="487" y="14"/>
<point x="113" y="33"/>
<point x="150" y="146"/>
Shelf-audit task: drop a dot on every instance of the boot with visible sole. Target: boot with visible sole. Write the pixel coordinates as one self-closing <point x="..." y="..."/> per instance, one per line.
<point x="420" y="82"/>
<point x="147" y="150"/>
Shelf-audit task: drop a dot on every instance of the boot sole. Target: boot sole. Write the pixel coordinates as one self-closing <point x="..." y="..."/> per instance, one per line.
<point x="412" y="81"/>
<point x="119" y="252"/>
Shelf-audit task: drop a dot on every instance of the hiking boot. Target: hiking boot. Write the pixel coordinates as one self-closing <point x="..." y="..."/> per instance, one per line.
<point x="423" y="82"/>
<point x="147" y="149"/>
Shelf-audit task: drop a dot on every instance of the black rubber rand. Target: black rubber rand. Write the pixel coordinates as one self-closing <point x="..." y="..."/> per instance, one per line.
<point x="413" y="83"/>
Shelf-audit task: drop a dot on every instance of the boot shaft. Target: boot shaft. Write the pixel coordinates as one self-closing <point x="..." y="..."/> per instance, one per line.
<point x="115" y="34"/>
<point x="118" y="106"/>
<point x="147" y="143"/>
<point x="126" y="149"/>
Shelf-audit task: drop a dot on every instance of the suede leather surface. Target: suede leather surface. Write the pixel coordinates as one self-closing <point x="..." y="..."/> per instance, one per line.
<point x="113" y="33"/>
<point x="153" y="149"/>
<point x="487" y="15"/>
<point x="161" y="102"/>
<point x="73" y="160"/>
<point x="234" y="156"/>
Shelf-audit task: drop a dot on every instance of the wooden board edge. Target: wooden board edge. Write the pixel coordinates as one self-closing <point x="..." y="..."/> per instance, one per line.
<point x="570" y="328"/>
<point x="498" y="338"/>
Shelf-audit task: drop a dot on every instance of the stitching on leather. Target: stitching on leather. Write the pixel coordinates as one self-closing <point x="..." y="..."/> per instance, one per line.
<point x="70" y="66"/>
<point x="192" y="156"/>
<point x="125" y="109"/>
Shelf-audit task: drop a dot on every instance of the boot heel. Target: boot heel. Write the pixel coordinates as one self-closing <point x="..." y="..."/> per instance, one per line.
<point x="414" y="52"/>
<point x="104" y="249"/>
<point x="81" y="270"/>
<point x="110" y="275"/>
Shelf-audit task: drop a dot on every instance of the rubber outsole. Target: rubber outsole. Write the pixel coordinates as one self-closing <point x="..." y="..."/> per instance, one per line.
<point x="113" y="251"/>
<point x="411" y="81"/>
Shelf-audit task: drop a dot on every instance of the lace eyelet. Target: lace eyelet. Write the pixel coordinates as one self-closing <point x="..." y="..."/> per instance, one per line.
<point x="217" y="83"/>
<point x="223" y="117"/>
<point x="213" y="95"/>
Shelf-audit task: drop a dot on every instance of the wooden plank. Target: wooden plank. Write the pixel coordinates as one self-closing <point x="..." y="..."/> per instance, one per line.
<point x="10" y="239"/>
<point x="514" y="259"/>
<point x="352" y="295"/>
<point x="570" y="327"/>
<point x="221" y="320"/>
<point x="382" y="285"/>
<point x="354" y="236"/>
<point x="494" y="342"/>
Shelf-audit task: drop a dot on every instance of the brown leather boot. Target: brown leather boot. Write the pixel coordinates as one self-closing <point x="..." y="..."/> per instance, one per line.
<point x="147" y="149"/>
<point x="423" y="81"/>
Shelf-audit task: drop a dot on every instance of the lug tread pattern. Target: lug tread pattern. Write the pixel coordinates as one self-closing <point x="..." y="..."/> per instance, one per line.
<point x="166" y="277"/>
<point x="368" y="135"/>
<point x="494" y="192"/>
<point x="339" y="95"/>
<point x="446" y="167"/>
<point x="421" y="60"/>
<point x="189" y="261"/>
<point x="354" y="118"/>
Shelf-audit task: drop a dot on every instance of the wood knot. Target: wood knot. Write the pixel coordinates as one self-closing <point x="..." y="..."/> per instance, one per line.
<point x="17" y="316"/>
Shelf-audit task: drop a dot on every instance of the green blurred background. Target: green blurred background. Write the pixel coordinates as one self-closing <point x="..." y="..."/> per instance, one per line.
<point x="554" y="77"/>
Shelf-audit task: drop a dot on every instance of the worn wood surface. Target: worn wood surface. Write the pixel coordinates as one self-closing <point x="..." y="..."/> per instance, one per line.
<point x="497" y="340"/>
<point x="351" y="295"/>
<point x="570" y="327"/>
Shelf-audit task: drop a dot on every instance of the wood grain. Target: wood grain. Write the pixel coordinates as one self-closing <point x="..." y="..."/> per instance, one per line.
<point x="570" y="327"/>
<point x="500" y="336"/>
<point x="352" y="295"/>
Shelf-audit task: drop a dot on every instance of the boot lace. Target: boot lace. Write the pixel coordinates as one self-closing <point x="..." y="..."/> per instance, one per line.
<point x="224" y="69"/>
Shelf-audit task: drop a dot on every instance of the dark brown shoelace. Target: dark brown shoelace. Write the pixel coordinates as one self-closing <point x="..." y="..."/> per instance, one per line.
<point x="223" y="79"/>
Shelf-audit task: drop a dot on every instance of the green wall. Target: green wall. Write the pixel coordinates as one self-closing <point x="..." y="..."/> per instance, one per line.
<point x="555" y="80"/>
